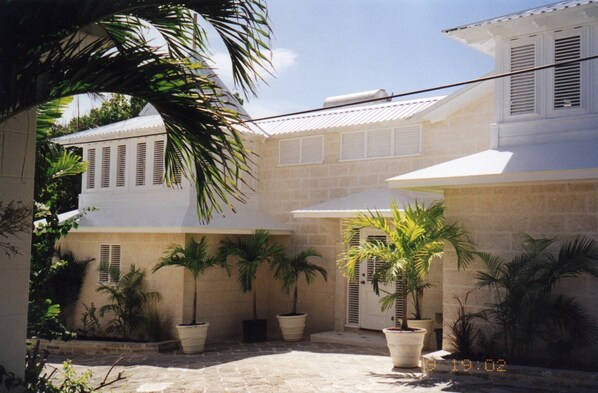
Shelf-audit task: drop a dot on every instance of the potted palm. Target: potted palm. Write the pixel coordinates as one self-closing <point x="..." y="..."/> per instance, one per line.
<point x="415" y="290"/>
<point x="415" y="237"/>
<point x="289" y="270"/>
<point x="251" y="254"/>
<point x="195" y="258"/>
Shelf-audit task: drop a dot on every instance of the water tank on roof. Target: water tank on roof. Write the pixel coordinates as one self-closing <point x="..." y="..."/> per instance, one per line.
<point x="355" y="98"/>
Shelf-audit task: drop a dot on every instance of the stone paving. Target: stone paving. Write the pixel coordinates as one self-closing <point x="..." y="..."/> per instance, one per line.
<point x="274" y="367"/>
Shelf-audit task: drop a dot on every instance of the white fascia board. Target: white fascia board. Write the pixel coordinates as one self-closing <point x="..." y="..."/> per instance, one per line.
<point x="208" y="231"/>
<point x="439" y="183"/>
<point x="337" y="213"/>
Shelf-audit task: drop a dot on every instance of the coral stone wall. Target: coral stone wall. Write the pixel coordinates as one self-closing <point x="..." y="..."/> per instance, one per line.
<point x="496" y="216"/>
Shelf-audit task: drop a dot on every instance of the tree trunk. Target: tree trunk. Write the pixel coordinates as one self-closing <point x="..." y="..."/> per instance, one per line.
<point x="404" y="325"/>
<point x="295" y="300"/>
<point x="254" y="300"/>
<point x="194" y="319"/>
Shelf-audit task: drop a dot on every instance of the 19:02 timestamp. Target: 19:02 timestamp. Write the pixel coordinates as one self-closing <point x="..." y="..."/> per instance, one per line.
<point x="466" y="365"/>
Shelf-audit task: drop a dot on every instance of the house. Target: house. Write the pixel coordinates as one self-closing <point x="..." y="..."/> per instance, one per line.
<point x="508" y="156"/>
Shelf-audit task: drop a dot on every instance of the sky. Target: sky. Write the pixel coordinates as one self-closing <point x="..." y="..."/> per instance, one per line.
<point x="323" y="48"/>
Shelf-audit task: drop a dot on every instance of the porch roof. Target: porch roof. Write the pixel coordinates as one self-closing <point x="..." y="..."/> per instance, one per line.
<point x="361" y="202"/>
<point x="178" y="219"/>
<point x="547" y="162"/>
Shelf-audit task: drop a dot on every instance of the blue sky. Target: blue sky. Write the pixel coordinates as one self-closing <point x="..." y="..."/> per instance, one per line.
<point x="324" y="48"/>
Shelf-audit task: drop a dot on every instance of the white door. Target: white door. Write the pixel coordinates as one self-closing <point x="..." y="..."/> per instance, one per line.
<point x="371" y="315"/>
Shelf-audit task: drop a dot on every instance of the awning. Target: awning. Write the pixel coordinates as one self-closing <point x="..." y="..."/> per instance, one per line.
<point x="177" y="219"/>
<point x="547" y="162"/>
<point x="370" y="199"/>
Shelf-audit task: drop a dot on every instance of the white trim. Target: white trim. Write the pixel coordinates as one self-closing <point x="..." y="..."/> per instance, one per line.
<point x="336" y="213"/>
<point x="148" y="229"/>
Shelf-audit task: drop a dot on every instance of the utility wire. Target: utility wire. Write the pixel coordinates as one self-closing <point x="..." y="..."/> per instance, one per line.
<point x="413" y="92"/>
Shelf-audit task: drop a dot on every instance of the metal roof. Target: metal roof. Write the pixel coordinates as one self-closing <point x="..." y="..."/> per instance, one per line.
<point x="523" y="14"/>
<point x="349" y="116"/>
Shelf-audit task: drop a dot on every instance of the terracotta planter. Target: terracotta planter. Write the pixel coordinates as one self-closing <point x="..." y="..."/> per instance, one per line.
<point x="405" y="346"/>
<point x="292" y="326"/>
<point x="427" y="324"/>
<point x="193" y="337"/>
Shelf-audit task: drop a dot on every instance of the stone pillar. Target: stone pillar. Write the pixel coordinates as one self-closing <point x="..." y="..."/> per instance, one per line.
<point x="17" y="164"/>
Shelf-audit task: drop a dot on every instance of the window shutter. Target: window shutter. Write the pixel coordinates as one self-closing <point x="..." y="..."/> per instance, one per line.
<point x="311" y="149"/>
<point x="105" y="178"/>
<point x="115" y="263"/>
<point x="523" y="86"/>
<point x="379" y="143"/>
<point x="398" y="304"/>
<point x="140" y="162"/>
<point x="91" y="168"/>
<point x="104" y="262"/>
<point x="353" y="288"/>
<point x="567" y="78"/>
<point x="158" y="162"/>
<point x="407" y="141"/>
<point x="290" y="152"/>
<point x="121" y="160"/>
<point x="352" y="145"/>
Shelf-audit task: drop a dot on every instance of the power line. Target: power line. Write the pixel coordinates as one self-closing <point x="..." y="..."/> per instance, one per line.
<point x="413" y="92"/>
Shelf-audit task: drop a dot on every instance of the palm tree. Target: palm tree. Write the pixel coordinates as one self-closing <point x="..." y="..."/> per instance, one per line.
<point x="54" y="49"/>
<point x="290" y="269"/>
<point x="251" y="253"/>
<point x="526" y="310"/>
<point x="195" y="258"/>
<point x="128" y="298"/>
<point x="415" y="238"/>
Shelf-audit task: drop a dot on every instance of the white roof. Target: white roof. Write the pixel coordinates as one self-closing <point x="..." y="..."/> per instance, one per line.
<point x="177" y="219"/>
<point x="62" y="217"/>
<point x="557" y="161"/>
<point x="378" y="199"/>
<point x="523" y="14"/>
<point x="349" y="116"/>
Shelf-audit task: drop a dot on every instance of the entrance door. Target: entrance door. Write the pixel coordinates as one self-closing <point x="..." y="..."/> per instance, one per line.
<point x="371" y="315"/>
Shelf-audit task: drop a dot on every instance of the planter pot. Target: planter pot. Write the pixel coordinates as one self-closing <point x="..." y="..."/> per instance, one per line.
<point x="255" y="330"/>
<point x="292" y="326"/>
<point x="427" y="324"/>
<point x="193" y="337"/>
<point x="405" y="346"/>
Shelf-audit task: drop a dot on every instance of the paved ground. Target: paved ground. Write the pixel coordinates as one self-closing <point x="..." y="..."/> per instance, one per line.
<point x="274" y="367"/>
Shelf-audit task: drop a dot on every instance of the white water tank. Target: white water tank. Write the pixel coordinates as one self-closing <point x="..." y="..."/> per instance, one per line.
<point x="355" y="98"/>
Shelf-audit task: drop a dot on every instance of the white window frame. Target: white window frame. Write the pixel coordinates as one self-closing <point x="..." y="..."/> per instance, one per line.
<point x="301" y="157"/>
<point x="393" y="132"/>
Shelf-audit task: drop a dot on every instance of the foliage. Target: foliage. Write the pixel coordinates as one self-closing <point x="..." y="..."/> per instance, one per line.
<point x="35" y="382"/>
<point x="415" y="288"/>
<point x="415" y="238"/>
<point x="50" y="50"/>
<point x="290" y="269"/>
<point x="196" y="259"/>
<point x="66" y="283"/>
<point x="251" y="254"/>
<point x="54" y="164"/>
<point x="156" y="326"/>
<point x="526" y="311"/>
<point x="116" y="108"/>
<point x="90" y="322"/>
<point x="15" y="218"/>
<point x="464" y="332"/>
<point x="127" y="298"/>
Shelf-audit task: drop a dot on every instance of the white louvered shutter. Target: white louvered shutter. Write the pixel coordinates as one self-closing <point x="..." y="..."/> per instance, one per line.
<point x="158" y="162"/>
<point x="523" y="86"/>
<point x="379" y="143"/>
<point x="104" y="263"/>
<point x="105" y="177"/>
<point x="290" y="152"/>
<point x="407" y="141"/>
<point x="353" y="145"/>
<point x="567" y="78"/>
<point x="353" y="288"/>
<point x="121" y="160"/>
<point x="91" y="168"/>
<point x="115" y="263"/>
<point x="398" y="305"/>
<point x="311" y="149"/>
<point x="140" y="163"/>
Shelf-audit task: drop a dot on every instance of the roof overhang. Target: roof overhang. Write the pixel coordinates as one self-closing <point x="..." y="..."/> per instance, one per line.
<point x="538" y="163"/>
<point x="372" y="199"/>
